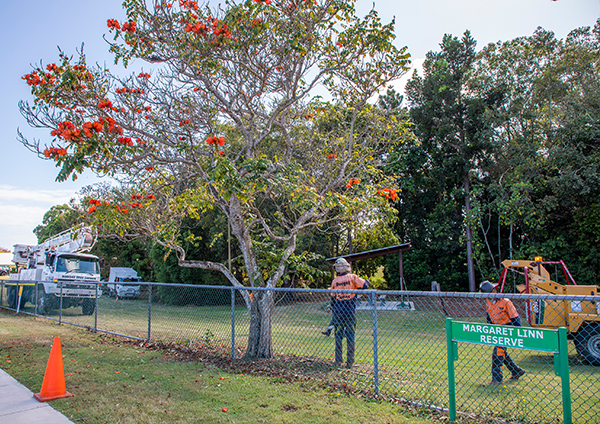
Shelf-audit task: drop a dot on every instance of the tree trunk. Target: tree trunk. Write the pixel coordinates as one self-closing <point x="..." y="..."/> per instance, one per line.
<point x="470" y="267"/>
<point x="259" y="338"/>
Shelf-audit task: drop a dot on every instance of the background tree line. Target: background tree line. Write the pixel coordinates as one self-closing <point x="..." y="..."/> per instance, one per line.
<point x="501" y="162"/>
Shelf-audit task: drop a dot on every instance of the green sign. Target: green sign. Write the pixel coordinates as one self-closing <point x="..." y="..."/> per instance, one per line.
<point x="544" y="340"/>
<point x="504" y="335"/>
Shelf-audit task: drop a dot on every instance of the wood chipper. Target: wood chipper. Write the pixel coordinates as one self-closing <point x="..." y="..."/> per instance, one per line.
<point x="580" y="317"/>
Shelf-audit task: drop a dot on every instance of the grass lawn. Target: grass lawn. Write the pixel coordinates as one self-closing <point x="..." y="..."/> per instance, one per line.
<point x="121" y="383"/>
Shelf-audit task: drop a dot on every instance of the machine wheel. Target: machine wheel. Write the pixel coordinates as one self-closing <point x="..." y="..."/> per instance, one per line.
<point x="88" y="306"/>
<point x="587" y="343"/>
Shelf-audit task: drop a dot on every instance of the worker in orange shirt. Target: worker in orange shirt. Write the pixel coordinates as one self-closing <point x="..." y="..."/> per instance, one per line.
<point x="343" y="308"/>
<point x="502" y="312"/>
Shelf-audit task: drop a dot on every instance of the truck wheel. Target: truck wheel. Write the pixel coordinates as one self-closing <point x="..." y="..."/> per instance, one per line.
<point x="587" y="343"/>
<point x="88" y="306"/>
<point x="43" y="304"/>
<point x="12" y="297"/>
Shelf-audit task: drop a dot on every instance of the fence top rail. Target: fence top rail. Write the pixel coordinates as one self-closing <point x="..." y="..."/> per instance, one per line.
<point x="378" y="293"/>
<point x="441" y="295"/>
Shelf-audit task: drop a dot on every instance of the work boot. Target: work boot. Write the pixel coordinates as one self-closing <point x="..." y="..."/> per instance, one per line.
<point x="518" y="374"/>
<point x="328" y="330"/>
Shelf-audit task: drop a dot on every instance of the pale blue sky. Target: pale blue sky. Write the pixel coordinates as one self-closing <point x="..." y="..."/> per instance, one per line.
<point x="31" y="32"/>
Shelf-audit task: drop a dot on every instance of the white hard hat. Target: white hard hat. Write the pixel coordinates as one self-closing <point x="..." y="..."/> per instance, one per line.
<point x="341" y="265"/>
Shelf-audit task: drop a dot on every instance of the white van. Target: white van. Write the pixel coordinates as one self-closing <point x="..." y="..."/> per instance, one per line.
<point x="123" y="275"/>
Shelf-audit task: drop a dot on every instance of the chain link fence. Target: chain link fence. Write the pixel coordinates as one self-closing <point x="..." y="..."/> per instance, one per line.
<point x="400" y="339"/>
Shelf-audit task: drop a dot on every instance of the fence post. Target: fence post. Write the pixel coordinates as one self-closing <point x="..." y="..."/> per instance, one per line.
<point x="450" y="351"/>
<point x="564" y="374"/>
<point x="149" y="309"/>
<point x="375" y="344"/>
<point x="18" y="296"/>
<point x="96" y="310"/>
<point x="60" y="303"/>
<point x="232" y="323"/>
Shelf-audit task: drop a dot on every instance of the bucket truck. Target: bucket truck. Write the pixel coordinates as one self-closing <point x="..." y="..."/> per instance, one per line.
<point x="60" y="269"/>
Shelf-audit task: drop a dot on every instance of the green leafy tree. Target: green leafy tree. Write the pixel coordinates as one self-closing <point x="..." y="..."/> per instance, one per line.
<point x="452" y="128"/>
<point x="229" y="120"/>
<point x="544" y="186"/>
<point x="60" y="218"/>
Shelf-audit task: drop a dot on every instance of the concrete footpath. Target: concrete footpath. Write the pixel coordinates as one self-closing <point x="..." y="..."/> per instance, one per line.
<point x="17" y="405"/>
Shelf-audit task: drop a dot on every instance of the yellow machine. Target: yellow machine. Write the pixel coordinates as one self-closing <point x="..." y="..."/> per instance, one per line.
<point x="580" y="317"/>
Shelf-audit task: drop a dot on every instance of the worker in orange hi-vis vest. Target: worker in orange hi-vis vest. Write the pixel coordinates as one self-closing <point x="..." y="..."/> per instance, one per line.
<point x="502" y="312"/>
<point x="343" y="308"/>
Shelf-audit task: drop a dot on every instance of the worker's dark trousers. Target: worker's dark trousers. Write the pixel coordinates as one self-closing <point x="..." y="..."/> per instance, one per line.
<point x="500" y="357"/>
<point x="344" y="327"/>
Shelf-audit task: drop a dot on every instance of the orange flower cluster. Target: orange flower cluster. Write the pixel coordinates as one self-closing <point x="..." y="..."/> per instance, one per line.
<point x="263" y="1"/>
<point x="218" y="28"/>
<point x="67" y="131"/>
<point x="129" y="26"/>
<point x="88" y="127"/>
<point x="55" y="152"/>
<point x="102" y="104"/>
<point x="123" y="207"/>
<point x="184" y="122"/>
<point x="144" y="75"/>
<point x="220" y="141"/>
<point x="388" y="193"/>
<point x="113" y="24"/>
<point x="112" y="125"/>
<point x="351" y="182"/>
<point x="34" y="79"/>
<point x="140" y="197"/>
<point x="129" y="90"/>
<point x="189" y="4"/>
<point x="331" y="156"/>
<point x="62" y="128"/>
<point x="38" y="77"/>
<point x="95" y="203"/>
<point x="125" y="141"/>
<point x="197" y="28"/>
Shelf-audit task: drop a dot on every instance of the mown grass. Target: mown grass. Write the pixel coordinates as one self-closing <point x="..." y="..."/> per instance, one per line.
<point x="411" y="348"/>
<point x="115" y="383"/>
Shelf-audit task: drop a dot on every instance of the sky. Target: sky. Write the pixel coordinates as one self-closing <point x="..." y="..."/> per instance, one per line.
<point x="31" y="33"/>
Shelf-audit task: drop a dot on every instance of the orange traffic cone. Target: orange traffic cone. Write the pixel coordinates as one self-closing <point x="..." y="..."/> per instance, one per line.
<point x="53" y="386"/>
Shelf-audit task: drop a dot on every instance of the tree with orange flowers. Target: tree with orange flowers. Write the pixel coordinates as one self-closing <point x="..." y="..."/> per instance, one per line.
<point x="262" y="109"/>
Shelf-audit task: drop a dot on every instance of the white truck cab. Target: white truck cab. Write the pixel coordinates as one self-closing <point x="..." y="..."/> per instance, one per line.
<point x="120" y="282"/>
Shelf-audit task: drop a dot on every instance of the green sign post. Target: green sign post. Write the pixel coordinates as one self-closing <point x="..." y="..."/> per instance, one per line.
<point x="538" y="339"/>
